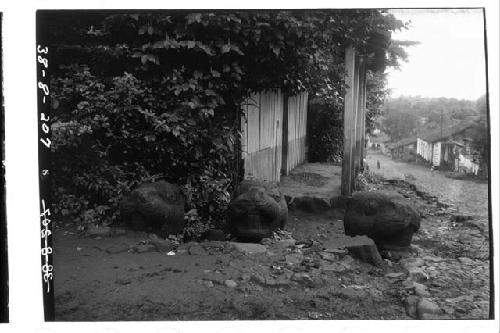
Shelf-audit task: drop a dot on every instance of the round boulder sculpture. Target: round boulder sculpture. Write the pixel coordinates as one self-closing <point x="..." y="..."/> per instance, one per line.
<point x="257" y="210"/>
<point x="386" y="217"/>
<point x="157" y="207"/>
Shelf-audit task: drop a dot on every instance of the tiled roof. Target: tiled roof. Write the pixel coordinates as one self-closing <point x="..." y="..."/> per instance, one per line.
<point x="404" y="142"/>
<point x="436" y="135"/>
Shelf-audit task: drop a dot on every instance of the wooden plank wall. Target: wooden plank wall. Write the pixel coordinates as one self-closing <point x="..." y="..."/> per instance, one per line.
<point x="261" y="141"/>
<point x="295" y="152"/>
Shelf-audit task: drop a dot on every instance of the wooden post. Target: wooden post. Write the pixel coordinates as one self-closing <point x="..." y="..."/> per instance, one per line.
<point x="362" y="107"/>
<point x="349" y="117"/>
<point x="355" y="125"/>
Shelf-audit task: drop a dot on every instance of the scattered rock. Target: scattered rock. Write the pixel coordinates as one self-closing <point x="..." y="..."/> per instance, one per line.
<point x="334" y="267"/>
<point x="336" y="251"/>
<point x="286" y="243"/>
<point x="420" y="290"/>
<point x="155" y="206"/>
<point x="258" y="209"/>
<point x="466" y="261"/>
<point x="294" y="258"/>
<point x="412" y="262"/>
<point x="432" y="259"/>
<point x="384" y="216"/>
<point x="143" y="248"/>
<point x="230" y="284"/>
<point x="417" y="274"/>
<point x="303" y="278"/>
<point x="426" y="306"/>
<point x="394" y="275"/>
<point x="364" y="249"/>
<point x="328" y="256"/>
<point x="468" y="298"/>
<point x="411" y="306"/>
<point x="249" y="248"/>
<point x="206" y="283"/>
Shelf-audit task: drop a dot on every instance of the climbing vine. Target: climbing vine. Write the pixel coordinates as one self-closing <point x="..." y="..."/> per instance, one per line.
<point x="144" y="96"/>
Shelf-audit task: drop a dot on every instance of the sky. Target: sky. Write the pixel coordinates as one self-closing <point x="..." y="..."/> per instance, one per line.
<point x="450" y="59"/>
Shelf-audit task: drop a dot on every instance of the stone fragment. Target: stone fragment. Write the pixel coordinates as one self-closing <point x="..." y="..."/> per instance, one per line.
<point x="384" y="216"/>
<point x="294" y="258"/>
<point x="328" y="256"/>
<point x="286" y="243"/>
<point x="336" y="251"/>
<point x="466" y="261"/>
<point x="230" y="284"/>
<point x="334" y="267"/>
<point x="364" y="249"/>
<point x="417" y="274"/>
<point x="420" y="290"/>
<point x="257" y="210"/>
<point x="411" y="306"/>
<point x="303" y="278"/>
<point x="432" y="259"/>
<point x="468" y="298"/>
<point x="426" y="306"/>
<point x="206" y="283"/>
<point x="412" y="262"/>
<point x="143" y="248"/>
<point x="249" y="248"/>
<point x="394" y="275"/>
<point x="158" y="207"/>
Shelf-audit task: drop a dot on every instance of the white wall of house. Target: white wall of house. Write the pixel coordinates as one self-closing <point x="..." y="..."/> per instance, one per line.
<point x="465" y="163"/>
<point x="424" y="149"/>
<point x="436" y="153"/>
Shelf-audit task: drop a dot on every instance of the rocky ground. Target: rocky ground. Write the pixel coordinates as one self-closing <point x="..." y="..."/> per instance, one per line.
<point x="113" y="274"/>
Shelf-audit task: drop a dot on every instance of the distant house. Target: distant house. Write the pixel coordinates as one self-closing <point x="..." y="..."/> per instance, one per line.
<point x="405" y="149"/>
<point x="449" y="148"/>
<point x="378" y="141"/>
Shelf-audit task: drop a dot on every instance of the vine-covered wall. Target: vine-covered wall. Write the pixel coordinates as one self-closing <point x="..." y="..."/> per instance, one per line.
<point x="145" y="96"/>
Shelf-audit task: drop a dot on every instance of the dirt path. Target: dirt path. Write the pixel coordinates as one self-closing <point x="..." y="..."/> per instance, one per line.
<point x="469" y="197"/>
<point x="216" y="281"/>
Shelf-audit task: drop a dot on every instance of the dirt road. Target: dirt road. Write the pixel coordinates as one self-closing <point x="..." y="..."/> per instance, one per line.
<point x="469" y="197"/>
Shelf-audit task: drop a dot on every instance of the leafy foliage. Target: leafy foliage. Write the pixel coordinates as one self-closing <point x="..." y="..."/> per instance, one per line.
<point x="146" y="96"/>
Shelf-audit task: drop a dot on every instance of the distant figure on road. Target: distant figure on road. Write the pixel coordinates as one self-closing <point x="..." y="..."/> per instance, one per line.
<point x="432" y="169"/>
<point x="378" y="164"/>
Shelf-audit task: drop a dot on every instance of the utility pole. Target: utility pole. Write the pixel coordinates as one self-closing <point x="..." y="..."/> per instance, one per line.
<point x="441" y="122"/>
